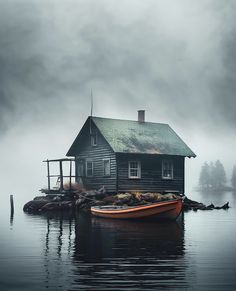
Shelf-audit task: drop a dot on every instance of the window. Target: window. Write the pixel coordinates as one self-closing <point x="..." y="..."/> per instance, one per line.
<point x="89" y="168"/>
<point x="80" y="168"/>
<point x="94" y="139"/>
<point x="167" y="169"/>
<point x="106" y="167"/>
<point x="134" y="170"/>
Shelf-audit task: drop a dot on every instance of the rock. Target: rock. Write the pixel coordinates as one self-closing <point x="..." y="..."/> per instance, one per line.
<point x="210" y="207"/>
<point x="191" y="204"/>
<point x="40" y="198"/>
<point x="194" y="205"/>
<point x="33" y="206"/>
<point x="225" y="206"/>
<point x="55" y="206"/>
<point x="80" y="201"/>
<point x="56" y="198"/>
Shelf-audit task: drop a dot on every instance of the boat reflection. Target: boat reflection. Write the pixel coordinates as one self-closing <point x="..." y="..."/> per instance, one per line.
<point x="111" y="238"/>
<point x="103" y="254"/>
<point x="129" y="253"/>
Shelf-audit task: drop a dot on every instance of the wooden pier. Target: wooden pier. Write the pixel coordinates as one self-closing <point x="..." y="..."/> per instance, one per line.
<point x="61" y="177"/>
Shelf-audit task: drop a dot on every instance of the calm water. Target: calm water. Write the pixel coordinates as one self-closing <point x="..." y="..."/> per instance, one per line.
<point x="83" y="253"/>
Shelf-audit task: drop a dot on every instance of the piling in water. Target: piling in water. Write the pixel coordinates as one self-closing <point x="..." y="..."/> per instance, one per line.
<point x="12" y="204"/>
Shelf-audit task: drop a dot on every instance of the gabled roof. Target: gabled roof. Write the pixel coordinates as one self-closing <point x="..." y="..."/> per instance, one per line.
<point x="126" y="136"/>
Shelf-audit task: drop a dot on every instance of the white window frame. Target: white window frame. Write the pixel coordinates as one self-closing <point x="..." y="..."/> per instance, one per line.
<point x="109" y="161"/>
<point x="138" y="168"/>
<point x="171" y="168"/>
<point x="89" y="161"/>
<point x="94" y="139"/>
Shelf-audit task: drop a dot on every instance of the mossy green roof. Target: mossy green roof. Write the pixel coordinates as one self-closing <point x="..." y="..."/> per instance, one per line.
<point x="127" y="136"/>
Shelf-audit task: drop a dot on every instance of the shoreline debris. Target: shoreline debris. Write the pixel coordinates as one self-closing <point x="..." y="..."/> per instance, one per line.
<point x="83" y="200"/>
<point x="194" y="205"/>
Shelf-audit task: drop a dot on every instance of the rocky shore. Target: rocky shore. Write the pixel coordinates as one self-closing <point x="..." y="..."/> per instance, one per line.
<point x="83" y="200"/>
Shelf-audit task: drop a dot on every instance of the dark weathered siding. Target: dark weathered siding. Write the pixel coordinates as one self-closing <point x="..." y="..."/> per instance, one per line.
<point x="97" y="154"/>
<point x="151" y="173"/>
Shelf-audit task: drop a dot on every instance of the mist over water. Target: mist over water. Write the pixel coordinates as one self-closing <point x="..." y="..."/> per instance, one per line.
<point x="176" y="60"/>
<point x="65" y="251"/>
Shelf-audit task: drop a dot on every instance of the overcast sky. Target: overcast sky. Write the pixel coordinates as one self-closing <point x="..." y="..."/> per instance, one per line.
<point x="175" y="59"/>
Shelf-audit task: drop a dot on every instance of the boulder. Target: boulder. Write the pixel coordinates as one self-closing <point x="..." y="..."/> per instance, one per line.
<point x="55" y="206"/>
<point x="33" y="206"/>
<point x="40" y="198"/>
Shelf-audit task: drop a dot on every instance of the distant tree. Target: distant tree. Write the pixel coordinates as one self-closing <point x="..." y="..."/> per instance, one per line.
<point x="233" y="179"/>
<point x="211" y="174"/>
<point x="204" y="179"/>
<point x="219" y="176"/>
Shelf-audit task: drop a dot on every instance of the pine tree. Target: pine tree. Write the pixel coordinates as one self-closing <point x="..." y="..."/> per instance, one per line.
<point x="233" y="179"/>
<point x="204" y="179"/>
<point x="211" y="175"/>
<point x="219" y="176"/>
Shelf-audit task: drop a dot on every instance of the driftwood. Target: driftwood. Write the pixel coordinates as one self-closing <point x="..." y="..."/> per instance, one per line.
<point x="194" y="205"/>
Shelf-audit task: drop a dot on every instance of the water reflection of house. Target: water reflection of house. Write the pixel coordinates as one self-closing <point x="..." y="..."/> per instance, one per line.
<point x="129" y="253"/>
<point x="101" y="254"/>
<point x="125" y="155"/>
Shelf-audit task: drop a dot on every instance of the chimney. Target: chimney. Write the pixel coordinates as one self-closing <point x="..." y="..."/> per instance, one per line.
<point x="141" y="115"/>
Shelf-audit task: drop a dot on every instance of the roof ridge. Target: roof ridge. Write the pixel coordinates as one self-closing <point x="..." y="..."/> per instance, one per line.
<point x="136" y="121"/>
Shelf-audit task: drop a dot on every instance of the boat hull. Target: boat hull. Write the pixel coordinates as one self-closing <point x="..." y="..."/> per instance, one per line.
<point x="161" y="210"/>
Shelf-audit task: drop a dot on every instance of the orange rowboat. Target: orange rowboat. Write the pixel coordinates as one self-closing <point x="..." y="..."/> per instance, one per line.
<point x="162" y="210"/>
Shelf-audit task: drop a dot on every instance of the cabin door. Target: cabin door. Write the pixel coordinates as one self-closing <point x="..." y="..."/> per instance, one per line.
<point x="80" y="170"/>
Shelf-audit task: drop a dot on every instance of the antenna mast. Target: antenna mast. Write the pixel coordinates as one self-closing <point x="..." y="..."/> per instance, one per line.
<point x="91" y="111"/>
<point x="91" y="103"/>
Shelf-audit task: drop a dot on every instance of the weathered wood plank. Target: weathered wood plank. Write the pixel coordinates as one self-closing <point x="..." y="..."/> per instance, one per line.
<point x="151" y="174"/>
<point x="97" y="154"/>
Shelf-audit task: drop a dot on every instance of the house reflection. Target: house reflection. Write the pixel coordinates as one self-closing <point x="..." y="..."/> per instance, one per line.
<point x="58" y="245"/>
<point x="130" y="253"/>
<point x="85" y="252"/>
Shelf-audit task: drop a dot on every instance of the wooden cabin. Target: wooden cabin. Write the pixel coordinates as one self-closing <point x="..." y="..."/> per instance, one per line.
<point x="126" y="156"/>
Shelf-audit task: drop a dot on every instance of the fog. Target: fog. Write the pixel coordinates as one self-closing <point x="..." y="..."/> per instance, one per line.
<point x="175" y="59"/>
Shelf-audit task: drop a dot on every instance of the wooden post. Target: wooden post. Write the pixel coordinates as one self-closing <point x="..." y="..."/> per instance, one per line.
<point x="61" y="176"/>
<point x="70" y="173"/>
<point x="117" y="176"/>
<point x="48" y="175"/>
<point x="12" y="205"/>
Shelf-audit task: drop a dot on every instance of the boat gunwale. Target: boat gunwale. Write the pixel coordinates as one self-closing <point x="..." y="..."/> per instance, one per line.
<point x="135" y="208"/>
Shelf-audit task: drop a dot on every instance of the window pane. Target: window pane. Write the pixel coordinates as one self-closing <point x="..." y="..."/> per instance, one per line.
<point x="106" y="167"/>
<point x="89" y="168"/>
<point x="133" y="165"/>
<point x="167" y="169"/>
<point x="134" y="172"/>
<point x="80" y="168"/>
<point x="134" y="169"/>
